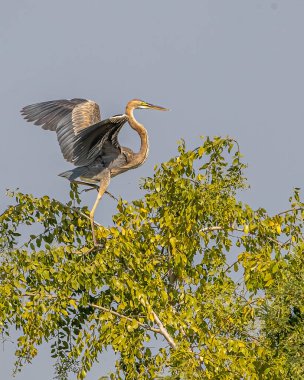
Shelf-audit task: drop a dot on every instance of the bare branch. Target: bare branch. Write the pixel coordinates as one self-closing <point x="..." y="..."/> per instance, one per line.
<point x="212" y="228"/>
<point x="164" y="331"/>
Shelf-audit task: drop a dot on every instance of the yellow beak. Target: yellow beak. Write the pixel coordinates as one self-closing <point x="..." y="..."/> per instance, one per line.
<point x="153" y="107"/>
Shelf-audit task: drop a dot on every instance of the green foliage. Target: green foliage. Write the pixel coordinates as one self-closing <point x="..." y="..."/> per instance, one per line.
<point x="160" y="289"/>
<point x="283" y="314"/>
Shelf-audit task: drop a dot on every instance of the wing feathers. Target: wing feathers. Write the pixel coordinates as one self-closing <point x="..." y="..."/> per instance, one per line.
<point x="84" y="115"/>
<point x="48" y="114"/>
<point x="96" y="141"/>
<point x="81" y="134"/>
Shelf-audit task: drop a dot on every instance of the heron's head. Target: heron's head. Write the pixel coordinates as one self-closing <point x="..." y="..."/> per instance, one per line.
<point x="140" y="104"/>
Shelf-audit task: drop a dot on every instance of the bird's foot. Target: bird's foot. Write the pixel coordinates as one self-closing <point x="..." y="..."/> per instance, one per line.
<point x="111" y="195"/>
<point x="89" y="189"/>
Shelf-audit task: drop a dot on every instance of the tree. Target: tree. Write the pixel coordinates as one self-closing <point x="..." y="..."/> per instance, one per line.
<point x="166" y="270"/>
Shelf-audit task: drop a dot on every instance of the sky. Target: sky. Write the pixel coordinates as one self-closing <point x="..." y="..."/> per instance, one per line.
<point x="223" y="68"/>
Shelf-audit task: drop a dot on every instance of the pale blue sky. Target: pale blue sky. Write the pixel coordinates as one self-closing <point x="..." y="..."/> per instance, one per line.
<point x="223" y="67"/>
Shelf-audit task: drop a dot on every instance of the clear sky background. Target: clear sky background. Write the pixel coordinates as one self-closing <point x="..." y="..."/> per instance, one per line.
<point x="223" y="68"/>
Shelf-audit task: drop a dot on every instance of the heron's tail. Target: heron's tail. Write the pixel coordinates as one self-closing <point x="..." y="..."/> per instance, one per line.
<point x="73" y="174"/>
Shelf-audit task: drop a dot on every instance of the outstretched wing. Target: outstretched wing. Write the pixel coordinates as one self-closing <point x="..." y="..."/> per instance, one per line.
<point x="81" y="134"/>
<point x="99" y="140"/>
<point x="81" y="112"/>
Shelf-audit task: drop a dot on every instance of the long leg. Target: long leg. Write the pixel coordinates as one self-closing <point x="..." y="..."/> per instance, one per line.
<point x="92" y="186"/>
<point x="104" y="183"/>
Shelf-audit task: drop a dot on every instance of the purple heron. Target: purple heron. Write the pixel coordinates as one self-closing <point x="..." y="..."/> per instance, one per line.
<point x="90" y="143"/>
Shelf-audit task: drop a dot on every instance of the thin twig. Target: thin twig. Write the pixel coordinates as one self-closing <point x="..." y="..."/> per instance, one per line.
<point x="220" y="228"/>
<point x="158" y="331"/>
<point x="212" y="228"/>
<point x="290" y="210"/>
<point x="230" y="266"/>
<point x="275" y="241"/>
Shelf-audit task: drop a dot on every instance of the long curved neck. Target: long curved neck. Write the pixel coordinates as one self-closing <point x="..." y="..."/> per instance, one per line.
<point x="141" y="156"/>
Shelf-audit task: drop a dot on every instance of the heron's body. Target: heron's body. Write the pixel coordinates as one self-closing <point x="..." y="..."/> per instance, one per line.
<point x="92" y="173"/>
<point x="90" y="143"/>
